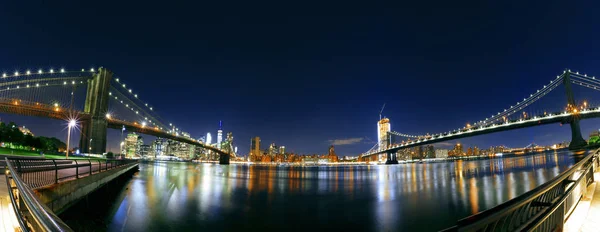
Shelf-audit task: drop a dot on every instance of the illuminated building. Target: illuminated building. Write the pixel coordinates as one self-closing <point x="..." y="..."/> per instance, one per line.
<point x="208" y="138"/>
<point x="138" y="145"/>
<point x="429" y="151"/>
<point x="476" y="151"/>
<point x="144" y="150"/>
<point x="282" y="150"/>
<point x="255" y="153"/>
<point x="272" y="150"/>
<point x="25" y="131"/>
<point x="441" y="153"/>
<point x="131" y="145"/>
<point x="458" y="150"/>
<point x="220" y="134"/>
<point x="332" y="156"/>
<point x="159" y="147"/>
<point x="383" y="127"/>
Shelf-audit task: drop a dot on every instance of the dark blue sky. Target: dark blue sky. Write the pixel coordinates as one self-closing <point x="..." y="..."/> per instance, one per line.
<point x="302" y="74"/>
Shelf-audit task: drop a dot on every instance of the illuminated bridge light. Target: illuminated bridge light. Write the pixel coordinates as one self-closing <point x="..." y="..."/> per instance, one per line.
<point x="64" y="83"/>
<point x="16" y="73"/>
<point x="92" y="69"/>
<point x="28" y="72"/>
<point x="117" y="79"/>
<point x="40" y="71"/>
<point x="62" y="70"/>
<point x="3" y="74"/>
<point x="51" y="70"/>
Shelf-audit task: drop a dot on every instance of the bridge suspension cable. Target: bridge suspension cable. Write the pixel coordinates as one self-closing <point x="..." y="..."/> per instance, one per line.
<point x="406" y="135"/>
<point x="585" y="81"/>
<point x="522" y="104"/>
<point x="25" y="87"/>
<point x="121" y="98"/>
<point x="145" y="108"/>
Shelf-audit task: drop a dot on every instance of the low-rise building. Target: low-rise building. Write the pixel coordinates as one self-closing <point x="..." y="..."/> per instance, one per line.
<point x="441" y="153"/>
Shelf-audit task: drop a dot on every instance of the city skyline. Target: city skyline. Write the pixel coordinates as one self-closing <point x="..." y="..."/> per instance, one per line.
<point x="309" y="98"/>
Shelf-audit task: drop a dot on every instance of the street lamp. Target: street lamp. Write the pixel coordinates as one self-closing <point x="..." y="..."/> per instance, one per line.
<point x="121" y="147"/>
<point x="72" y="123"/>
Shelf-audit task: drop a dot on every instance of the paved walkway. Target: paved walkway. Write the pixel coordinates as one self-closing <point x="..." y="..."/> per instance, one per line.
<point x="586" y="216"/>
<point x="8" y="220"/>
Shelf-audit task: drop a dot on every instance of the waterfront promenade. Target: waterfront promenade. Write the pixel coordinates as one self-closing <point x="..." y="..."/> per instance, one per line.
<point x="586" y="216"/>
<point x="8" y="220"/>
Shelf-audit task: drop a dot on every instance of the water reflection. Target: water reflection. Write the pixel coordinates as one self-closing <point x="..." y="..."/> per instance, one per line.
<point x="428" y="196"/>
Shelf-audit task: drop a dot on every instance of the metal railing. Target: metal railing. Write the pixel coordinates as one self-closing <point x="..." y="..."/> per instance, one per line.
<point x="544" y="208"/>
<point x="22" y="175"/>
<point x="38" y="173"/>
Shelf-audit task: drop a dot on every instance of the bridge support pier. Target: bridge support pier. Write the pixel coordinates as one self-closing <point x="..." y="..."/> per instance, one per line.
<point x="577" y="141"/>
<point x="224" y="159"/>
<point x="93" y="132"/>
<point x="391" y="158"/>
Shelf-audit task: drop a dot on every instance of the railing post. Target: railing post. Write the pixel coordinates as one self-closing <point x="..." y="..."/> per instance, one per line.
<point x="90" y="161"/>
<point x="55" y="172"/>
<point x="19" y="170"/>
<point x="76" y="170"/>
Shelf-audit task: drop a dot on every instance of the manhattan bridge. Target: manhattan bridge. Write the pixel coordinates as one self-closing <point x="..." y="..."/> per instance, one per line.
<point x="98" y="100"/>
<point x="510" y="118"/>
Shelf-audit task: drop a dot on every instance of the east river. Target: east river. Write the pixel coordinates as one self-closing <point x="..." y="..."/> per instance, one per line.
<point x="405" y="197"/>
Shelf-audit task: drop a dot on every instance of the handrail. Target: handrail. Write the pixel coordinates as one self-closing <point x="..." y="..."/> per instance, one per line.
<point x="42" y="215"/>
<point x="33" y="215"/>
<point x="12" y="199"/>
<point x="533" y="207"/>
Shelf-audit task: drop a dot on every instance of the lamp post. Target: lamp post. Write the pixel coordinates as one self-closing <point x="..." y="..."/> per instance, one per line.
<point x="72" y="123"/>
<point x="121" y="148"/>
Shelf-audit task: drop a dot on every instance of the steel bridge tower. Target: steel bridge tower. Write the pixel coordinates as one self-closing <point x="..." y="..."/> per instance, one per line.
<point x="93" y="131"/>
<point x="577" y="140"/>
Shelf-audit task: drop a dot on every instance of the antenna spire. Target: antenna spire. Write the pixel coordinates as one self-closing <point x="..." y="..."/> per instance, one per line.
<point x="380" y="112"/>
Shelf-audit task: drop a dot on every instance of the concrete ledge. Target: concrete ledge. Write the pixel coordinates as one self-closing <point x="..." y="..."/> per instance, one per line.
<point x="61" y="196"/>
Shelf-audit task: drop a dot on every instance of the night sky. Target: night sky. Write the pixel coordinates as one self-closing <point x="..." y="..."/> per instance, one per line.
<point x="306" y="75"/>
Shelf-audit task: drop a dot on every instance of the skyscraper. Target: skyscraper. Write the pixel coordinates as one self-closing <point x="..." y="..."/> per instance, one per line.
<point x="281" y="150"/>
<point x="255" y="152"/>
<point x="220" y="134"/>
<point x="131" y="145"/>
<point x="383" y="127"/>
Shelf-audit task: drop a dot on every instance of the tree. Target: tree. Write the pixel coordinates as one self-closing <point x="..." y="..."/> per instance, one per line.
<point x="110" y="155"/>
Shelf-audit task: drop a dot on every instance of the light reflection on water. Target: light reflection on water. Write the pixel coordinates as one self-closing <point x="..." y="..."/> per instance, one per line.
<point x="427" y="196"/>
